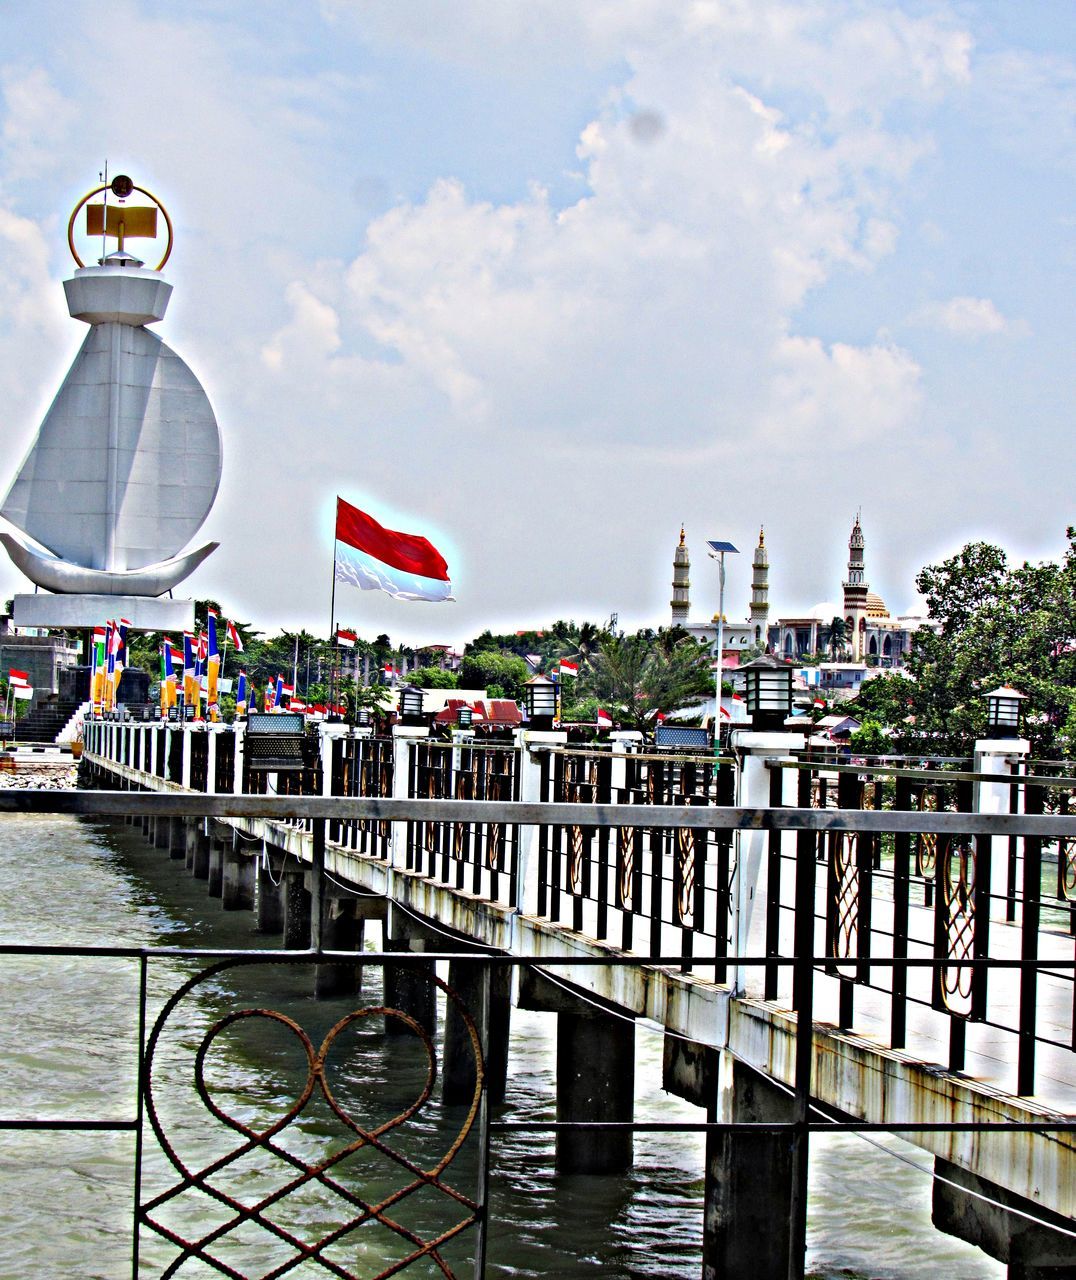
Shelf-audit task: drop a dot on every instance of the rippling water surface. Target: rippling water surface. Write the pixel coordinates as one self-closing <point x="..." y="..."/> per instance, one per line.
<point x="68" y="1031"/>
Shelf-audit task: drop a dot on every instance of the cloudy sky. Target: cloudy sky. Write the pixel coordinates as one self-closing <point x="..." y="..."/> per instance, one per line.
<point x="544" y="280"/>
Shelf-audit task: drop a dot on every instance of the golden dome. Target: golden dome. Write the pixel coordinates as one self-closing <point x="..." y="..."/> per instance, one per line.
<point x="876" y="606"/>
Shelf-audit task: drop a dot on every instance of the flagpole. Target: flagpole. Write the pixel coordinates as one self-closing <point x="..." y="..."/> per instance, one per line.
<point x="332" y="618"/>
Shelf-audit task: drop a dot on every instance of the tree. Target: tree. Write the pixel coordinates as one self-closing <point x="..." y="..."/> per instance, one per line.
<point x="837" y="636"/>
<point x="992" y="624"/>
<point x="434" y="678"/>
<point x="502" y="675"/>
<point x="636" y="677"/>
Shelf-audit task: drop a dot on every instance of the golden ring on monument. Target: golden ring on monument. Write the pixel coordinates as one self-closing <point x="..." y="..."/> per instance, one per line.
<point x="107" y="186"/>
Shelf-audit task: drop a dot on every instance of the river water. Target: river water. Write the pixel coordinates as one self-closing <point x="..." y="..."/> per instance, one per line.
<point x="68" y="1031"/>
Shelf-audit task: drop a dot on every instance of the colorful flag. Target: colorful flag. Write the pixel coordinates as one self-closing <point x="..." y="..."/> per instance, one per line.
<point x="234" y="638"/>
<point x="192" y="689"/>
<point x="345" y="639"/>
<point x="21" y="690"/>
<point x="374" y="558"/>
<point x="818" y="703"/>
<point x="168" y="677"/>
<point x="97" y="663"/>
<point x="241" y="694"/>
<point x="568" y="668"/>
<point x="605" y="720"/>
<point x="16" y="677"/>
<point x="212" y="667"/>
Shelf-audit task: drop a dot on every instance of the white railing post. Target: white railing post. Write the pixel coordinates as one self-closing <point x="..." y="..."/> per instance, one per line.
<point x="1001" y="757"/>
<point x="755" y="753"/>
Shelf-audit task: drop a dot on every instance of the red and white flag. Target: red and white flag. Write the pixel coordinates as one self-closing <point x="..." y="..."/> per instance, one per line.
<point x="16" y="677"/>
<point x="346" y="639"/>
<point x="234" y="639"/>
<point x="818" y="703"/>
<point x="374" y="558"/>
<point x="568" y="668"/>
<point x="605" y="720"/>
<point x="390" y="671"/>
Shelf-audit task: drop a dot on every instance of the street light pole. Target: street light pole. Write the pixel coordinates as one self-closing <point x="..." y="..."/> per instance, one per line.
<point x="717" y="552"/>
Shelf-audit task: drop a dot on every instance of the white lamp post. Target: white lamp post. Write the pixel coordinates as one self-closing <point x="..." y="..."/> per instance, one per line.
<point x="717" y="552"/>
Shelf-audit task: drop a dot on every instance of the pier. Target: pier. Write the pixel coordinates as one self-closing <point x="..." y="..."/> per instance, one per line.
<point x="884" y="947"/>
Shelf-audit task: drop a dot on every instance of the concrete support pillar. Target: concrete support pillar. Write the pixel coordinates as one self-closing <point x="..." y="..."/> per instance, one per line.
<point x="340" y="931"/>
<point x="458" y="1072"/>
<point x="408" y="988"/>
<point x="216" y="867"/>
<point x="296" y="912"/>
<point x="1002" y="757"/>
<point x="595" y="1081"/>
<point x="237" y="881"/>
<point x="748" y="1189"/>
<point x="200" y="858"/>
<point x="177" y="838"/>
<point x="162" y="832"/>
<point x="982" y="1213"/>
<point x="270" y="900"/>
<point x="191" y="830"/>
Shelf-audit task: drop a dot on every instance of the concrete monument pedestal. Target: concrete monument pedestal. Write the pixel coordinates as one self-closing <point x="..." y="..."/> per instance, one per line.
<point x="77" y="612"/>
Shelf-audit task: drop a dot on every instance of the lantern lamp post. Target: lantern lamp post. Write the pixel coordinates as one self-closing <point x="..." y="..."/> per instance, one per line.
<point x="411" y="700"/>
<point x="1004" y="712"/>
<point x="541" y="698"/>
<point x="768" y="693"/>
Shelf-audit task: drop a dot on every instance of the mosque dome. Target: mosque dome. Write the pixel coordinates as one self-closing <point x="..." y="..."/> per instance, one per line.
<point x="876" y="606"/>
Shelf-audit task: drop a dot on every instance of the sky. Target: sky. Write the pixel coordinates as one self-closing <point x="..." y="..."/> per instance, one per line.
<point x="543" y="281"/>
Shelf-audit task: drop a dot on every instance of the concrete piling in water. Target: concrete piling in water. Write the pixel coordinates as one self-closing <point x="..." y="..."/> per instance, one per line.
<point x="237" y="880"/>
<point x="466" y="977"/>
<point x="408" y="987"/>
<point x="340" y="931"/>
<point x="296" y="911"/>
<point x="269" y="898"/>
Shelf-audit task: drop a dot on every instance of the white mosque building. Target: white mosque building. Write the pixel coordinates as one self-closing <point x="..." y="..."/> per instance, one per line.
<point x="872" y="636"/>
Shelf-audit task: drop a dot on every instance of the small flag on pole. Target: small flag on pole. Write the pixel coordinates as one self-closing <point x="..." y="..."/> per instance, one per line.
<point x="605" y="720"/>
<point x="346" y="639"/>
<point x="16" y="677"/>
<point x="374" y="558"/>
<point x="234" y="638"/>
<point x="568" y="668"/>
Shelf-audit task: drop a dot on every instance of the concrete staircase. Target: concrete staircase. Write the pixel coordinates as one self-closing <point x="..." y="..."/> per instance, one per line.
<point x="46" y="720"/>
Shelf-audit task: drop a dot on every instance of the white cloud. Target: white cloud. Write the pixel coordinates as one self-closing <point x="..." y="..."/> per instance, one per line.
<point x="963" y="317"/>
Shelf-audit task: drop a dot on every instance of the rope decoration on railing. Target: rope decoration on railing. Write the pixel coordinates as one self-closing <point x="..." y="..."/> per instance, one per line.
<point x="225" y="1181"/>
<point x="686" y="842"/>
<point x="844" y="852"/>
<point x="957" y="909"/>
<point x="926" y="843"/>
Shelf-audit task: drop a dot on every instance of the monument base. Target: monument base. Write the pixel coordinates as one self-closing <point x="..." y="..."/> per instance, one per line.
<point x="76" y="612"/>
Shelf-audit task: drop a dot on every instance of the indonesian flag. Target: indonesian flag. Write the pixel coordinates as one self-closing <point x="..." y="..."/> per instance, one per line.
<point x="284" y="690"/>
<point x="17" y="678"/>
<point x="736" y="698"/>
<point x="568" y="668"/>
<point x="726" y="714"/>
<point x="346" y="639"/>
<point x="390" y="671"/>
<point x="374" y="558"/>
<point x="296" y="705"/>
<point x="605" y="720"/>
<point x="818" y="703"/>
<point x="234" y="638"/>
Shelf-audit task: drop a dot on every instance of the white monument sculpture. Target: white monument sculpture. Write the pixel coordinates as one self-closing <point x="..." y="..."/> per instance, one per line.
<point x="127" y="462"/>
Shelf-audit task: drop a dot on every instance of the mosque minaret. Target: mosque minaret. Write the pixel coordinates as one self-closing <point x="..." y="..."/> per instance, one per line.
<point x="760" y="590"/>
<point x="681" y="584"/>
<point x="855" y="595"/>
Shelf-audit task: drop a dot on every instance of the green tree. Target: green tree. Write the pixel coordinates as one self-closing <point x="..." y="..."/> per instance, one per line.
<point x="434" y="678"/>
<point x="503" y="672"/>
<point x="635" y="677"/>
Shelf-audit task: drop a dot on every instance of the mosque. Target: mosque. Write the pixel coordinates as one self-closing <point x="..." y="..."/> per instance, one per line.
<point x="871" y="635"/>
